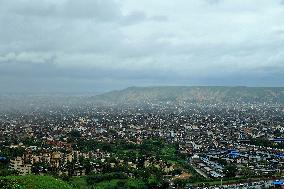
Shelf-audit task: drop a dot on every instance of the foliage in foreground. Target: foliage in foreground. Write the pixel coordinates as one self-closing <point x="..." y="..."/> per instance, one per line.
<point x="32" y="182"/>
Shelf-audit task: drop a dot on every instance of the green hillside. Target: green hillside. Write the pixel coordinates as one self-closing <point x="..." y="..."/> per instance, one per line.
<point x="32" y="182"/>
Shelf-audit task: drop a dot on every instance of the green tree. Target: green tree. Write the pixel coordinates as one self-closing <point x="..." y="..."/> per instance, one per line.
<point x="246" y="172"/>
<point x="230" y="171"/>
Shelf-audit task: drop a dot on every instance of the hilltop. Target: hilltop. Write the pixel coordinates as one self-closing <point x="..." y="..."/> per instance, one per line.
<point x="143" y="95"/>
<point x="196" y="94"/>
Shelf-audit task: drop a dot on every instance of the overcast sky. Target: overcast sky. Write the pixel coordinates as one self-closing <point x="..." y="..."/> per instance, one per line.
<point x="100" y="45"/>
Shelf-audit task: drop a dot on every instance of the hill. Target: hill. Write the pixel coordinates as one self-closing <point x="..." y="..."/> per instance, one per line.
<point x="195" y="94"/>
<point x="32" y="182"/>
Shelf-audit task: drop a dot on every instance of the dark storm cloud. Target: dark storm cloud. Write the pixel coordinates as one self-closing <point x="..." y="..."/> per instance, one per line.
<point x="91" y="45"/>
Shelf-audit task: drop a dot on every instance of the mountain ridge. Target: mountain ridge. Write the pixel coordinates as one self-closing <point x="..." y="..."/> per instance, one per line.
<point x="206" y="94"/>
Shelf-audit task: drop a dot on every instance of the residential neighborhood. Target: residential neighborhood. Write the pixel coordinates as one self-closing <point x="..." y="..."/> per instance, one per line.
<point x="194" y="142"/>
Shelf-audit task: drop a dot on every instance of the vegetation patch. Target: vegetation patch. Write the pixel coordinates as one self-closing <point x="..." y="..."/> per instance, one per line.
<point x="32" y="182"/>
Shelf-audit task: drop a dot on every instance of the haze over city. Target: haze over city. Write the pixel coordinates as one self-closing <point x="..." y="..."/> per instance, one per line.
<point x="95" y="46"/>
<point x="141" y="94"/>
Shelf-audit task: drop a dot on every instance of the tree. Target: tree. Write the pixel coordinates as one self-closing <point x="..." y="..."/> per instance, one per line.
<point x="246" y="172"/>
<point x="230" y="171"/>
<point x="75" y="134"/>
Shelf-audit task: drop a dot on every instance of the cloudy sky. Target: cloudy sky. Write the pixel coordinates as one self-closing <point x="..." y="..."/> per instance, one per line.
<point x="99" y="45"/>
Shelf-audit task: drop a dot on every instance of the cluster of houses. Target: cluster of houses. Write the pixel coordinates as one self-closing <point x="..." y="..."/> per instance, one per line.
<point x="71" y="162"/>
<point x="211" y="132"/>
<point x="260" y="160"/>
<point x="210" y="168"/>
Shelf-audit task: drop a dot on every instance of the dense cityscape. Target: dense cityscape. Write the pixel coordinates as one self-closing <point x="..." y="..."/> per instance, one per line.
<point x="141" y="94"/>
<point x="154" y="145"/>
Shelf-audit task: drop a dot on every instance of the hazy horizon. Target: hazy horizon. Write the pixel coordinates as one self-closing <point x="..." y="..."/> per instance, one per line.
<point x="94" y="93"/>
